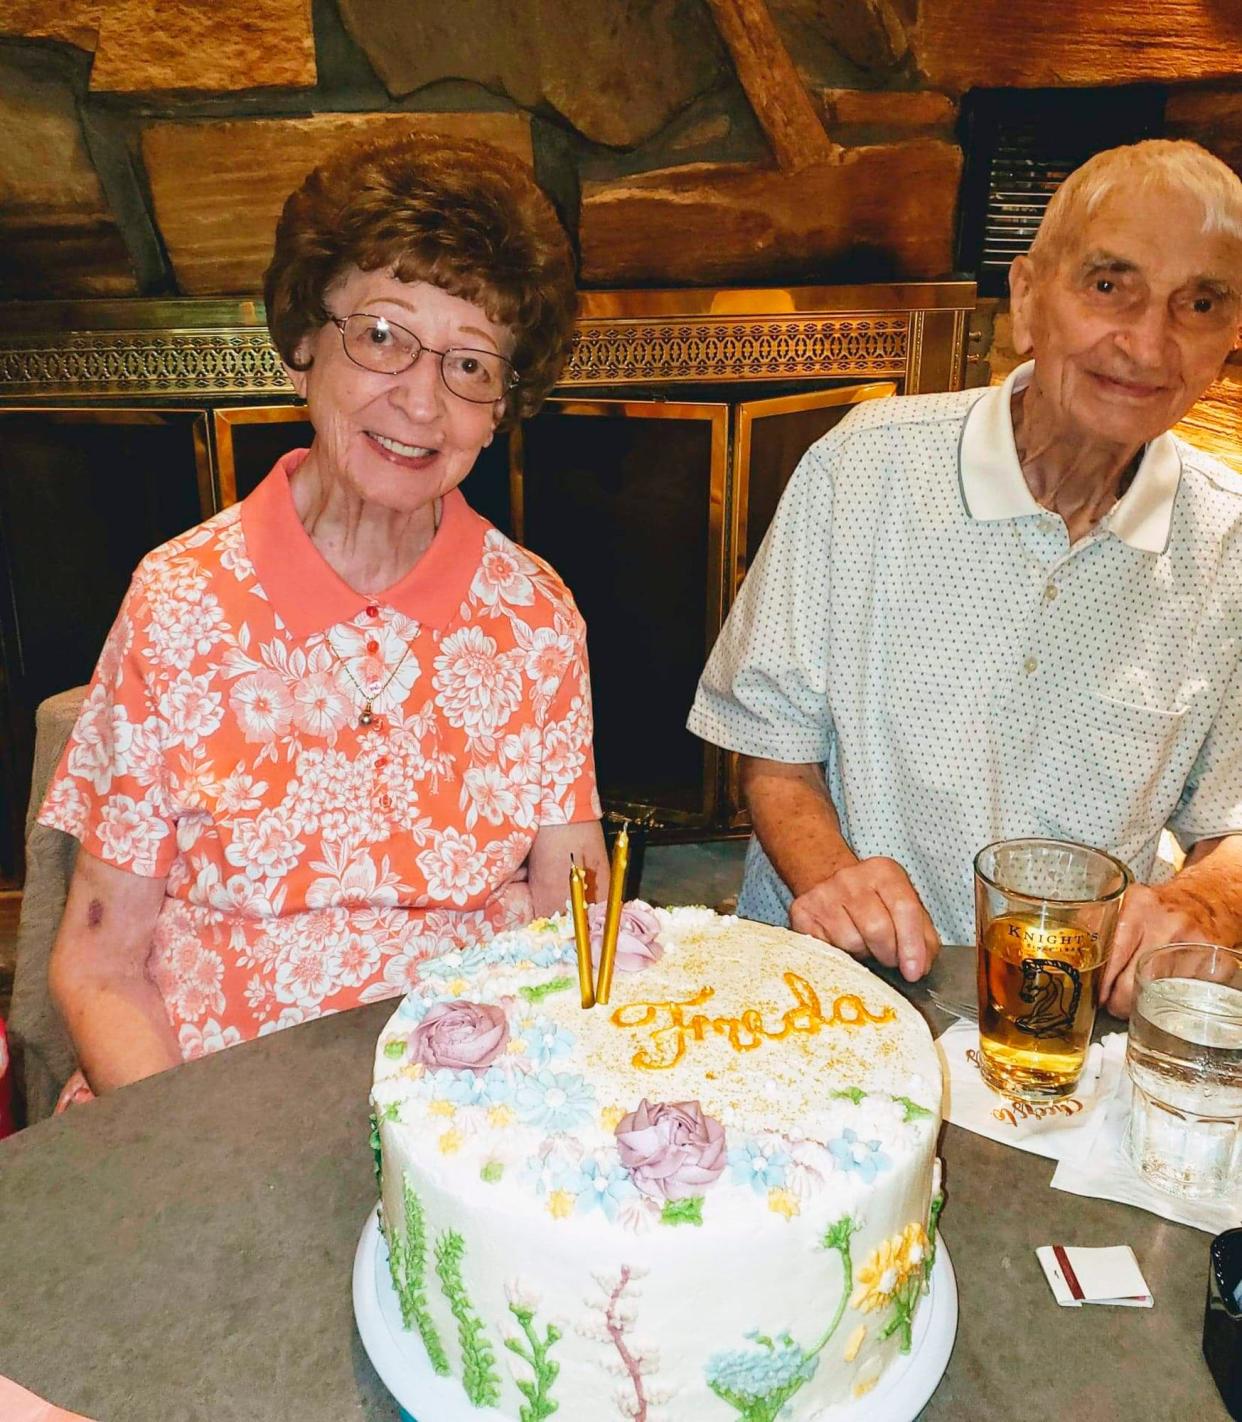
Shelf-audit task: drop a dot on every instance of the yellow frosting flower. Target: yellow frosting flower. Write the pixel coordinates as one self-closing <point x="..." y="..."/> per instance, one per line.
<point x="560" y="1204"/>
<point x="610" y="1117"/>
<point x="914" y="1247"/>
<point x="781" y="1202"/>
<point x="890" y="1264"/>
<point x="500" y="1116"/>
<point x="878" y="1278"/>
<point x="458" y="986"/>
<point x="441" y="1108"/>
<point x="516" y="1047"/>
<point x="450" y="1142"/>
<point x="855" y="1343"/>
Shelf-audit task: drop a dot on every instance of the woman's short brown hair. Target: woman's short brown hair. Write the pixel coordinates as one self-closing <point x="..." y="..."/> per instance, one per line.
<point x="458" y="213"/>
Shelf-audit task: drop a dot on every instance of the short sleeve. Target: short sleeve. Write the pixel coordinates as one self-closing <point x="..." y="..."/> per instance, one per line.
<point x="763" y="691"/>
<point x="1211" y="803"/>
<point x="110" y="788"/>
<point x="569" y="794"/>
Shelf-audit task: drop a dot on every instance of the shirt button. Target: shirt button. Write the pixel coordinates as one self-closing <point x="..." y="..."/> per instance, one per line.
<point x="385" y="802"/>
<point x="1050" y="592"/>
<point x="1029" y="665"/>
<point x="381" y="761"/>
<point x="373" y="646"/>
<point x="372" y="610"/>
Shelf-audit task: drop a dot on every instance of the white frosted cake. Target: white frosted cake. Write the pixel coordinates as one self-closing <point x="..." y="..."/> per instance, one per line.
<point x="712" y="1198"/>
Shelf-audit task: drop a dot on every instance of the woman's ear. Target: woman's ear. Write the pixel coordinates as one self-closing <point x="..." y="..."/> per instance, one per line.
<point x="297" y="378"/>
<point x="1022" y="283"/>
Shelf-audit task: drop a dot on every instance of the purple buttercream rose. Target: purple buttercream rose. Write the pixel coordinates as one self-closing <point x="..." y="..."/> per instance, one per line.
<point x="673" y="1150"/>
<point x="637" y="944"/>
<point x="463" y="1036"/>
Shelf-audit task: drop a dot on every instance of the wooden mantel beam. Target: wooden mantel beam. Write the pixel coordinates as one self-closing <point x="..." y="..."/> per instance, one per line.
<point x="772" y="84"/>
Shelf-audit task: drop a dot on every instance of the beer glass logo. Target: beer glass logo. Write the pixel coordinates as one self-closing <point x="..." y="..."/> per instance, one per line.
<point x="1053" y="988"/>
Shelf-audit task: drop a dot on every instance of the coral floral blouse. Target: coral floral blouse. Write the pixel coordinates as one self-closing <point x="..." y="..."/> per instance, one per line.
<point x="312" y="861"/>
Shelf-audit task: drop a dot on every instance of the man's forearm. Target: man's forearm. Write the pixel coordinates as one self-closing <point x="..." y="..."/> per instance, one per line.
<point x="795" y="820"/>
<point x="1209" y="887"/>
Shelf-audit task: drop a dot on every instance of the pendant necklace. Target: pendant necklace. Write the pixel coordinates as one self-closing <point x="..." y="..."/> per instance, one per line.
<point x="366" y="716"/>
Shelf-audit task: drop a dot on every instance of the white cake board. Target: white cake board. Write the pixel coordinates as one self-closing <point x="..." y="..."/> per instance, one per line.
<point x="400" y="1360"/>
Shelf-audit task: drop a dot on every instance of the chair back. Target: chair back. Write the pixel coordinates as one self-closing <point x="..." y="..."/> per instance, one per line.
<point x="43" y="1056"/>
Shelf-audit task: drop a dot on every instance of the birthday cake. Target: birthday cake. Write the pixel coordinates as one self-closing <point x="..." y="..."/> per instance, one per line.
<point x="711" y="1198"/>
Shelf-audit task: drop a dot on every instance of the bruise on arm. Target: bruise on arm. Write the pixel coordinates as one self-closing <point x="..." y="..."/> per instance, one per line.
<point x="94" y="913"/>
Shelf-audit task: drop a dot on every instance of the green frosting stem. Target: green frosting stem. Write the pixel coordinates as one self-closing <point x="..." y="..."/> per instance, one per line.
<point x="838" y="1238"/>
<point x="539" y="1402"/>
<point x="407" y="1261"/>
<point x="479" y="1376"/>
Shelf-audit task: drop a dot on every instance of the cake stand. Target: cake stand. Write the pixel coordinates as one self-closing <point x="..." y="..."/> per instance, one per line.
<point x="399" y="1359"/>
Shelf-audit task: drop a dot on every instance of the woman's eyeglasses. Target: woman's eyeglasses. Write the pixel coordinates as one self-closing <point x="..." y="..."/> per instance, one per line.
<point x="382" y="346"/>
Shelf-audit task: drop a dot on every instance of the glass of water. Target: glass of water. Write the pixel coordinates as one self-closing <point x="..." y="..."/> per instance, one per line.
<point x="1184" y="1056"/>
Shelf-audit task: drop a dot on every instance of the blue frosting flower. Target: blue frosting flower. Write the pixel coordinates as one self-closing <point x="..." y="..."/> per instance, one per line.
<point x="553" y="1101"/>
<point x="546" y="1042"/>
<point x="865" y="1158"/>
<point x="603" y="1187"/>
<point x="493" y="1087"/>
<point x="762" y="1167"/>
<point x="774" y="1366"/>
<point x="414" y="1009"/>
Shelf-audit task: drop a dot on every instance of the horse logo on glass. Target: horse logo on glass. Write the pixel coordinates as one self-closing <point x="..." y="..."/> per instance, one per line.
<point x="1053" y="987"/>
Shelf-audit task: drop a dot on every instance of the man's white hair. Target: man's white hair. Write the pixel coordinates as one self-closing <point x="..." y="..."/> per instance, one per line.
<point x="1171" y="166"/>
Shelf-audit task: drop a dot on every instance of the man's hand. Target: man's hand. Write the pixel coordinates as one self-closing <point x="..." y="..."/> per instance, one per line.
<point x="870" y="907"/>
<point x="1149" y="916"/>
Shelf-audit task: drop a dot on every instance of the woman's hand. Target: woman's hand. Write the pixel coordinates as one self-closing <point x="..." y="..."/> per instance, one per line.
<point x="98" y="976"/>
<point x="548" y="864"/>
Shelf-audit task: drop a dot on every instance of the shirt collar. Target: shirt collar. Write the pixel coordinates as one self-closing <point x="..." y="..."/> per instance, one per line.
<point x="993" y="487"/>
<point x="308" y="594"/>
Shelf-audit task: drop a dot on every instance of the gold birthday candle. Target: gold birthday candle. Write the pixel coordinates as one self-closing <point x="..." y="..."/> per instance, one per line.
<point x="582" y="932"/>
<point x="612" y="915"/>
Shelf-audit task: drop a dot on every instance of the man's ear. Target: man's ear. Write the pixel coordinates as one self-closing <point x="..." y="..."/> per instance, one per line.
<point x="1022" y="303"/>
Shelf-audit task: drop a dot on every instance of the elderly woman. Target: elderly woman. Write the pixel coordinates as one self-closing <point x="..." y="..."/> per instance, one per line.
<point x="344" y="725"/>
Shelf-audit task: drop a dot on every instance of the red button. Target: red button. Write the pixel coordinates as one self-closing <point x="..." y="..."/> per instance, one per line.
<point x="381" y="761"/>
<point x="372" y="610"/>
<point x="385" y="802"/>
<point x="373" y="646"/>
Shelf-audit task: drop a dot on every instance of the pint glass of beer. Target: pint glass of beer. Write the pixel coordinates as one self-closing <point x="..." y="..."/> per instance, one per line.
<point x="1045" y="914"/>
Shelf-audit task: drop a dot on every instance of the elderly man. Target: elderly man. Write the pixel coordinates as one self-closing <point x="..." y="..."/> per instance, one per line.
<point x="1013" y="612"/>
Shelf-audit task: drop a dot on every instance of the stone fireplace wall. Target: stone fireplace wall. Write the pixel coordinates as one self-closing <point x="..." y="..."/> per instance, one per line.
<point x="145" y="145"/>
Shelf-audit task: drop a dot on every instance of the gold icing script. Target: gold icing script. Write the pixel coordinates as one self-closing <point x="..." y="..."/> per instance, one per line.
<point x="674" y="1023"/>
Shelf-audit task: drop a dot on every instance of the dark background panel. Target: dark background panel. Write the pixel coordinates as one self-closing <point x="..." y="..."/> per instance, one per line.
<point x="82" y="498"/>
<point x="619" y="506"/>
<point x="777" y="443"/>
<point x="258" y="445"/>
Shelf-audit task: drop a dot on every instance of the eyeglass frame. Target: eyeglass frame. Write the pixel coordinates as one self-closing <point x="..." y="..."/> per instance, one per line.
<point x="512" y="383"/>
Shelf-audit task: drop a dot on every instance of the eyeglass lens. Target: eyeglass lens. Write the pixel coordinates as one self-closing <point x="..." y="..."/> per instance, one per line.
<point x="388" y="348"/>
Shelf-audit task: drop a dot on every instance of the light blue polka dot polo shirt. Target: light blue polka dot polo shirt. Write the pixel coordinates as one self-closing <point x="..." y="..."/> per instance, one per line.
<point x="919" y="625"/>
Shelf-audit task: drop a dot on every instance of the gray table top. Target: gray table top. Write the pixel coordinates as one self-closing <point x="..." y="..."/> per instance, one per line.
<point x="183" y="1250"/>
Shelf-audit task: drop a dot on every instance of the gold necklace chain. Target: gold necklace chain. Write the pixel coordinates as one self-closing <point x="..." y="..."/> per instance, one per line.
<point x="366" y="716"/>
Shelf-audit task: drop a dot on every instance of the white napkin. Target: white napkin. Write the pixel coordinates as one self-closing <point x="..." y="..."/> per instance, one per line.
<point x="1052" y="1129"/>
<point x="1099" y="1165"/>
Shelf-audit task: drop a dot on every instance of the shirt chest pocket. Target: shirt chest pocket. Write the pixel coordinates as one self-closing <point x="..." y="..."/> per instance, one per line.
<point x="1120" y="767"/>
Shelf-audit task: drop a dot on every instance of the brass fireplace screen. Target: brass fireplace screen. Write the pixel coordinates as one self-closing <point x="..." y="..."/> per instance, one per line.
<point x="648" y="481"/>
